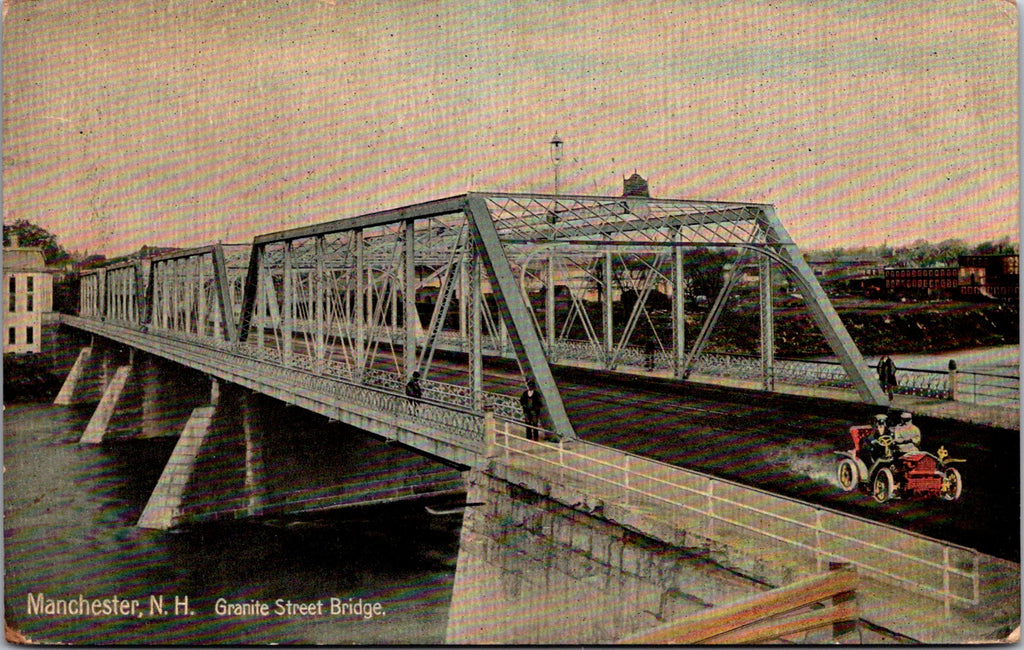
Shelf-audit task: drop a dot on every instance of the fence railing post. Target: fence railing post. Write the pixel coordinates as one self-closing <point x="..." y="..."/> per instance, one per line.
<point x="953" y="375"/>
<point x="711" y="509"/>
<point x="625" y="477"/>
<point x="976" y="578"/>
<point x="490" y="434"/>
<point x="561" y="460"/>
<point x="945" y="581"/>
<point x="505" y="441"/>
<point x="817" y="539"/>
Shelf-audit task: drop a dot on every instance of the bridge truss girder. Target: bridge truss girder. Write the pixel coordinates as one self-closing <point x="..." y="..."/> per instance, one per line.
<point x="497" y="275"/>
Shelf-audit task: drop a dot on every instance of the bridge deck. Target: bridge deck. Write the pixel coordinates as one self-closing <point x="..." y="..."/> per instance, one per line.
<point x="774" y="442"/>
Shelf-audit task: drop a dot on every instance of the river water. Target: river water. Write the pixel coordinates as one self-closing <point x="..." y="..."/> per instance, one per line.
<point x="70" y="533"/>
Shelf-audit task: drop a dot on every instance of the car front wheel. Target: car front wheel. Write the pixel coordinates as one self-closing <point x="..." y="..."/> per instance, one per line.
<point x="952" y="485"/>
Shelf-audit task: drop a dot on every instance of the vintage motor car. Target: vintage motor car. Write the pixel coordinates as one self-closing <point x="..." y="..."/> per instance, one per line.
<point x="875" y="465"/>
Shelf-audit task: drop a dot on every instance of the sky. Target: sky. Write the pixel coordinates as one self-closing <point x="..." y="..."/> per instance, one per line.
<point x="181" y="123"/>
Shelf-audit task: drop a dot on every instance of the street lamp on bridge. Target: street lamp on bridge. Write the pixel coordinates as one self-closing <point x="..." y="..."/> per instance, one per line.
<point x="556" y="156"/>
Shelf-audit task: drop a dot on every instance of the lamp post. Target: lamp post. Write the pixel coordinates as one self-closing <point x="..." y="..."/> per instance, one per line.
<point x="556" y="156"/>
<point x="549" y="302"/>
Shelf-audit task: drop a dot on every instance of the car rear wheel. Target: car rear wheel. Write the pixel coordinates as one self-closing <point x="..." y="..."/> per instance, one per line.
<point x="847" y="474"/>
<point x="952" y="486"/>
<point x="882" y="486"/>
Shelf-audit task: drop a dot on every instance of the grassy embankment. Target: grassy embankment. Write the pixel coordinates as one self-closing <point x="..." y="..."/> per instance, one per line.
<point x="876" y="327"/>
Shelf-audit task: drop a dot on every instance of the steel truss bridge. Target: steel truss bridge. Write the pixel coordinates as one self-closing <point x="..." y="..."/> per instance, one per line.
<point x="337" y="316"/>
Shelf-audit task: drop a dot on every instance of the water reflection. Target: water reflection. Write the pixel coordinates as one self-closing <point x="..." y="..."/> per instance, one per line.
<point x="70" y="530"/>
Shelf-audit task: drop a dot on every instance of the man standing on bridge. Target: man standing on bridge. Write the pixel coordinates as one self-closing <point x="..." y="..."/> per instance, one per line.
<point x="530" y="400"/>
<point x="414" y="390"/>
<point x="887" y="375"/>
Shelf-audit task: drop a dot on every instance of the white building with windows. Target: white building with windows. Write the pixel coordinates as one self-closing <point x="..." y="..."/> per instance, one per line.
<point x="27" y="300"/>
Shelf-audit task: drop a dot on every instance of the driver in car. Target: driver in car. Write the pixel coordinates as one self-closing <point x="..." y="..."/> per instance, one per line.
<point x="875" y="449"/>
<point x="908" y="436"/>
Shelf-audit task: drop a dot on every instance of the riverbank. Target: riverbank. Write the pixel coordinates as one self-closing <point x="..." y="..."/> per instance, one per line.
<point x="30" y="378"/>
<point x="876" y="327"/>
<point x="38" y="377"/>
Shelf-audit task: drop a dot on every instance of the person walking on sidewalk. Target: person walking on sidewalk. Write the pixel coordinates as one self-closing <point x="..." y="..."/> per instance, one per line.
<point x="887" y="375"/>
<point x="414" y="391"/>
<point x="530" y="401"/>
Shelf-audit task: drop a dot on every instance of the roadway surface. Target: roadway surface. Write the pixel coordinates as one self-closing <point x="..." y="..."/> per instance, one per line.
<point x="785" y="444"/>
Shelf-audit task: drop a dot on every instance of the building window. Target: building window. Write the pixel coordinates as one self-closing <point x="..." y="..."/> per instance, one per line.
<point x="29" y="336"/>
<point x="12" y="338"/>
<point x="12" y="294"/>
<point x="30" y="293"/>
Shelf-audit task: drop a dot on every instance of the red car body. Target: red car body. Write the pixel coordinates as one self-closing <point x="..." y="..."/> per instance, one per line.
<point x="890" y="475"/>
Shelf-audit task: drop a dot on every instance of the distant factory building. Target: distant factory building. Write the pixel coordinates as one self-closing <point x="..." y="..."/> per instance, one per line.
<point x="990" y="276"/>
<point x="28" y="298"/>
<point x="975" y="277"/>
<point x="932" y="281"/>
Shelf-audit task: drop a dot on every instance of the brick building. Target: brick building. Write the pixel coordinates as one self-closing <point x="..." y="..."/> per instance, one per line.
<point x="989" y="276"/>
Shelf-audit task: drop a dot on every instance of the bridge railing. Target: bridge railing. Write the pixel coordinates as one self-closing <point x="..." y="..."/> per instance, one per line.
<point x="720" y="509"/>
<point x="987" y="389"/>
<point x="829" y="374"/>
<point x="239" y="362"/>
<point x="973" y="387"/>
<point x="457" y="423"/>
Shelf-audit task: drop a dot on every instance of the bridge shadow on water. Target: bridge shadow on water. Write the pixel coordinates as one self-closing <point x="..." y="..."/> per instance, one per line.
<point x="312" y="463"/>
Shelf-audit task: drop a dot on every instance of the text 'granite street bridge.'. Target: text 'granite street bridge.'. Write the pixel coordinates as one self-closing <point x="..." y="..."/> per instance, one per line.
<point x="477" y="294"/>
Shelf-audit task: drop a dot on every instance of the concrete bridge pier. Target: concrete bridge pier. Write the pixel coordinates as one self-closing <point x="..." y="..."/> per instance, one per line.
<point x="243" y="454"/>
<point x="143" y="398"/>
<point x="204" y="480"/>
<point x="533" y="571"/>
<point x="88" y="377"/>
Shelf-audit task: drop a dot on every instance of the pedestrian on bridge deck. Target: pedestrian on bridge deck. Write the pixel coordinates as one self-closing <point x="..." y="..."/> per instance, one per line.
<point x="414" y="390"/>
<point x="887" y="375"/>
<point x="530" y="401"/>
<point x="650" y="349"/>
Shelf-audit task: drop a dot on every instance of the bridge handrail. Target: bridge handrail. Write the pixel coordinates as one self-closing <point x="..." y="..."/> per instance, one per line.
<point x="989" y="374"/>
<point x="433" y="412"/>
<point x="583" y="443"/>
<point x="628" y="469"/>
<point x="937" y="384"/>
<point x="397" y="397"/>
<point x="444" y="394"/>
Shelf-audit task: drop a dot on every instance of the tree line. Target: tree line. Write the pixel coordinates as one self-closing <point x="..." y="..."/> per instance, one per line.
<point x="920" y="253"/>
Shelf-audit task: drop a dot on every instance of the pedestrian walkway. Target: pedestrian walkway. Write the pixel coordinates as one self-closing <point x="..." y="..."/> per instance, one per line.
<point x="994" y="416"/>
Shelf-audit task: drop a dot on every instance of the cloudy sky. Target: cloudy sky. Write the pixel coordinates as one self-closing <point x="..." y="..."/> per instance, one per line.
<point x="180" y="123"/>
